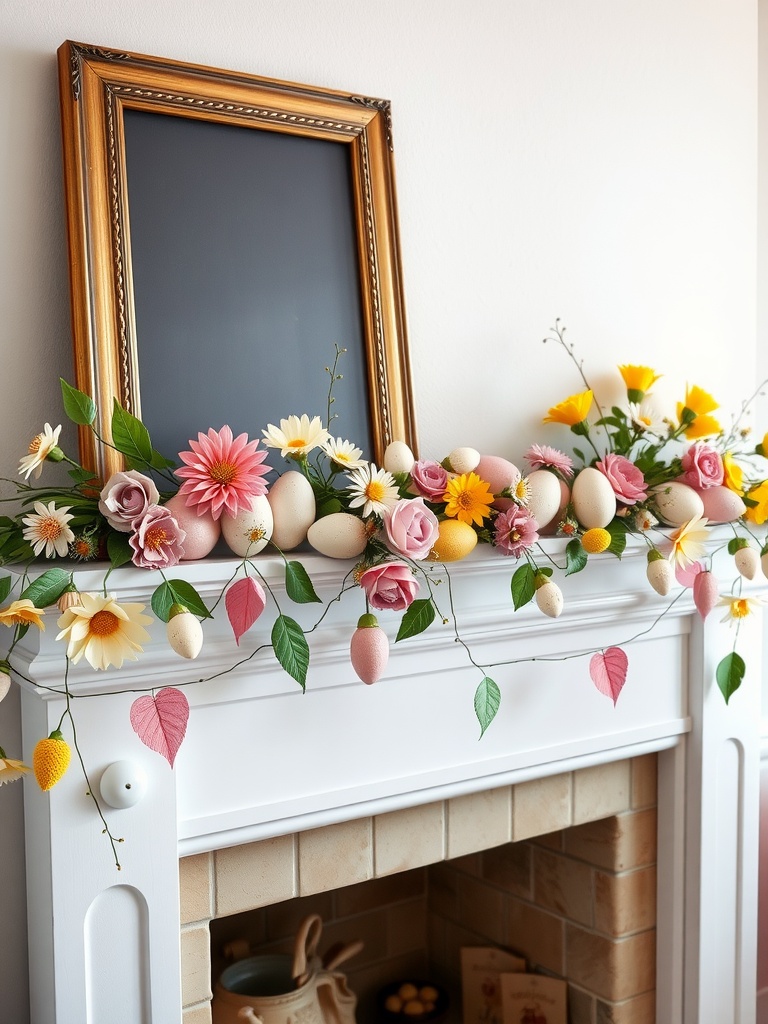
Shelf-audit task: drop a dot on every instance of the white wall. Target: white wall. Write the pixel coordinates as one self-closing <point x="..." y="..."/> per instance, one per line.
<point x="586" y="159"/>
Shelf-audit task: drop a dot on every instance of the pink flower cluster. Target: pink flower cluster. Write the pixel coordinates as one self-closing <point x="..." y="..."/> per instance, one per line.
<point x="515" y="531"/>
<point x="130" y="504"/>
<point x="625" y="478"/>
<point x="702" y="467"/>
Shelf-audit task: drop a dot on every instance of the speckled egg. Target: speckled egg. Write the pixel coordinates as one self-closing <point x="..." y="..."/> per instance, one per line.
<point x="676" y="503"/>
<point x="464" y="460"/>
<point x="594" y="503"/>
<point x="398" y="457"/>
<point x="339" y="535"/>
<point x="251" y="529"/>
<point x="497" y="472"/>
<point x="545" y="496"/>
<point x="292" y="501"/>
<point x="202" y="532"/>
<point x="721" y="504"/>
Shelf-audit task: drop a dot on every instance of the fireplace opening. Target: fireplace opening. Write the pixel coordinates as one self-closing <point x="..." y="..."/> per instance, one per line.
<point x="574" y="892"/>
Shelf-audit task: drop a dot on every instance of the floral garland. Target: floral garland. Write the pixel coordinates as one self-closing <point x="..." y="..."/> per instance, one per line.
<point x="665" y="480"/>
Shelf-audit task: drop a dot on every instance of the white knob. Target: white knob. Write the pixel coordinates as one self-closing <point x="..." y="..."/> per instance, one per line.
<point x="123" y="784"/>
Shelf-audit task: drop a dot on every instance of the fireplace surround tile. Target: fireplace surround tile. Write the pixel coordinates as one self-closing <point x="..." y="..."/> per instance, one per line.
<point x="196" y="887"/>
<point x="335" y="855"/>
<point x="618" y="843"/>
<point x="541" y="806"/>
<point x="600" y="791"/>
<point x="196" y="965"/>
<point x="409" y="838"/>
<point x="479" y="821"/>
<point x="644" y="781"/>
<point x="640" y="1010"/>
<point x="563" y="885"/>
<point x="255" y="875"/>
<point x="626" y="902"/>
<point x="614" y="969"/>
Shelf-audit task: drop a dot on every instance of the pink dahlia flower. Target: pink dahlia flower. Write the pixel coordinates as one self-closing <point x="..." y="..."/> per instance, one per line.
<point x="429" y="479"/>
<point x="158" y="540"/>
<point x="411" y="528"/>
<point x="625" y="478"/>
<point x="702" y="466"/>
<point x="515" y="531"/>
<point x="222" y="474"/>
<point x="541" y="456"/>
<point x="389" y="585"/>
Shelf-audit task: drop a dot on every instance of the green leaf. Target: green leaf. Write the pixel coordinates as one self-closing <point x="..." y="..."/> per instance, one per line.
<point x="291" y="648"/>
<point x="298" y="585"/>
<point x="523" y="585"/>
<point x="328" y="507"/>
<point x="48" y="588"/>
<point x="5" y="587"/>
<point x="579" y="454"/>
<point x="80" y="475"/>
<point x="177" y="592"/>
<point x="734" y="544"/>
<point x="118" y="549"/>
<point x="618" y="534"/>
<point x="159" y="461"/>
<point x="130" y="436"/>
<point x="417" y="618"/>
<point x="22" y="630"/>
<point x="575" y="557"/>
<point x="487" y="700"/>
<point x="79" y="407"/>
<point x="730" y="673"/>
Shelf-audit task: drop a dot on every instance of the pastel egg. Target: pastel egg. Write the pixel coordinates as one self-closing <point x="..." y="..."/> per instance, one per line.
<point x="497" y="472"/>
<point x="594" y="502"/>
<point x="721" y="504"/>
<point x="464" y="460"/>
<point x="202" y="532"/>
<point x="292" y="501"/>
<point x="339" y="535"/>
<point x="676" y="503"/>
<point x="545" y="496"/>
<point x="398" y="457"/>
<point x="251" y="529"/>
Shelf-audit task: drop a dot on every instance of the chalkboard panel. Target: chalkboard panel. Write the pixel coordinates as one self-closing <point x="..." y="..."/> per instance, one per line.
<point x="241" y="290"/>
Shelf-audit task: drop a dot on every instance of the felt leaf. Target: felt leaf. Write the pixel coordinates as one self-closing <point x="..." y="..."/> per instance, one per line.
<point x="298" y="585"/>
<point x="173" y="592"/>
<point x="131" y="437"/>
<point x="487" y="700"/>
<point x="160" y="722"/>
<point x="575" y="557"/>
<point x="119" y="549"/>
<point x="291" y="648"/>
<point x="729" y="674"/>
<point x="416" y="619"/>
<point x="523" y="585"/>
<point x="5" y="587"/>
<point x="48" y="588"/>
<point x="78" y="406"/>
<point x="609" y="671"/>
<point x="245" y="601"/>
<point x="686" y="576"/>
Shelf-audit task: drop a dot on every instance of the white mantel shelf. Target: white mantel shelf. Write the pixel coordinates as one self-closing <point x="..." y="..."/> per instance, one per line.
<point x="262" y="759"/>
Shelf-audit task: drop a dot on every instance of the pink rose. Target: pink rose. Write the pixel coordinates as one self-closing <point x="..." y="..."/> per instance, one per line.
<point x="126" y="497"/>
<point x="158" y="540"/>
<point x="625" y="478"/>
<point x="702" y="467"/>
<point x="411" y="528"/>
<point x="429" y="480"/>
<point x="389" y="585"/>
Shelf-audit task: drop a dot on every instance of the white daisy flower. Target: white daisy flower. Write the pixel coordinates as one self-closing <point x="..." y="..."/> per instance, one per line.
<point x="644" y="417"/>
<point x="296" y="436"/>
<point x="103" y="630"/>
<point x="40" y="447"/>
<point x="645" y="520"/>
<point x="48" y="529"/>
<point x="343" y="453"/>
<point x="372" y="489"/>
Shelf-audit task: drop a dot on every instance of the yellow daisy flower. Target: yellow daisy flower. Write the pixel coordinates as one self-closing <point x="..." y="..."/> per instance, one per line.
<point x="688" y="541"/>
<point x="733" y="474"/>
<point x="103" y="630"/>
<point x="758" y="513"/>
<point x="22" y="613"/>
<point x="703" y="426"/>
<point x="468" y="499"/>
<point x="572" y="412"/>
<point x="11" y="769"/>
<point x="638" y="380"/>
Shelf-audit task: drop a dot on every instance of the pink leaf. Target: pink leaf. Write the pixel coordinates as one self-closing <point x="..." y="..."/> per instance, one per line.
<point x="609" y="671"/>
<point x="160" y="722"/>
<point x="686" y="576"/>
<point x="245" y="601"/>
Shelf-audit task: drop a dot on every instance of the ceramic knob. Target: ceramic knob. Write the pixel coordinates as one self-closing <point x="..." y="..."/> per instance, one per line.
<point x="123" y="784"/>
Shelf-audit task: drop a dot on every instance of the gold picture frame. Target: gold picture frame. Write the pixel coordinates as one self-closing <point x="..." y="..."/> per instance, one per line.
<point x="99" y="90"/>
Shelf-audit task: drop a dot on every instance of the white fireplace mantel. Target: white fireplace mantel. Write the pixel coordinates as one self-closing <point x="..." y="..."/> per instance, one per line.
<point x="262" y="759"/>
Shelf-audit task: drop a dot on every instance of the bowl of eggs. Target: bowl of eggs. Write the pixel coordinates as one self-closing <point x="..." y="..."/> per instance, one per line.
<point x="412" y="1000"/>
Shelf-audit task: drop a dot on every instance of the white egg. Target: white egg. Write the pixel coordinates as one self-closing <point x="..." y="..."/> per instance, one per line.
<point x="721" y="504"/>
<point x="676" y="503"/>
<point x="185" y="634"/>
<point x="292" y="501"/>
<point x="398" y="458"/>
<point x="339" y="535"/>
<point x="251" y="529"/>
<point x="545" y="498"/>
<point x="594" y="502"/>
<point x="464" y="460"/>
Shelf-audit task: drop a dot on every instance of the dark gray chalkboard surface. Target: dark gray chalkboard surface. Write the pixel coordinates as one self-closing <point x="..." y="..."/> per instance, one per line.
<point x="245" y="276"/>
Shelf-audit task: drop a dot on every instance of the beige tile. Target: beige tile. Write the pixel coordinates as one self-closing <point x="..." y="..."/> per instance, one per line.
<point x="197" y="1015"/>
<point x="644" y="775"/>
<point x="552" y="840"/>
<point x="619" y="843"/>
<point x="601" y="791"/>
<point x="408" y="839"/>
<point x="195" y="965"/>
<point x="563" y="885"/>
<point x="406" y="927"/>
<point x="614" y="969"/>
<point x="335" y="855"/>
<point x="626" y="902"/>
<point x="509" y="867"/>
<point x="541" y="806"/>
<point x="355" y="899"/>
<point x="581" y="1006"/>
<point x="640" y="1010"/>
<point x="482" y="909"/>
<point x="254" y="875"/>
<point x="537" y="935"/>
<point x="479" y="821"/>
<point x="195" y="888"/>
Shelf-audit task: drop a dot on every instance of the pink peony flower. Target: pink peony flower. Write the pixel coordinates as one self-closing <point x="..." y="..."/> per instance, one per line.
<point x="411" y="528"/>
<point x="702" y="467"/>
<point x="429" y="479"/>
<point x="158" y="540"/>
<point x="515" y="531"/>
<point x="625" y="478"/>
<point x="389" y="585"/>
<point x="126" y="497"/>
<point x="221" y="473"/>
<point x="541" y="456"/>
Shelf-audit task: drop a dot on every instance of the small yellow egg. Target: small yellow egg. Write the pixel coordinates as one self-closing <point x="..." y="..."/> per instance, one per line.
<point x="454" y="541"/>
<point x="407" y="991"/>
<point x="414" y="1008"/>
<point x="428" y="993"/>
<point x="393" y="1003"/>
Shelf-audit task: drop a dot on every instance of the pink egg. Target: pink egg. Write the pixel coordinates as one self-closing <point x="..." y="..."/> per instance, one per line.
<point x="721" y="504"/>
<point x="497" y="472"/>
<point x="369" y="653"/>
<point x="202" y="531"/>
